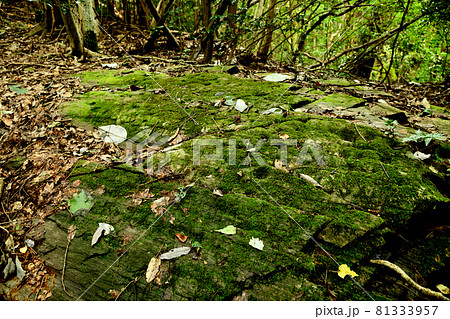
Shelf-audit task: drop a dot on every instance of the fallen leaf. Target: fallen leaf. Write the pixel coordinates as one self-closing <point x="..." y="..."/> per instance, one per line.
<point x="175" y="253"/>
<point x="20" y="272"/>
<point x="229" y="101"/>
<point x="444" y="289"/>
<point x="274" y="110"/>
<point x="157" y="206"/>
<point x="102" y="227"/>
<point x="218" y="192"/>
<point x="310" y="180"/>
<point x="110" y="66"/>
<point x="9" y="243"/>
<point x="17" y="206"/>
<point x="29" y="243"/>
<point x="9" y="269"/>
<point x="113" y="133"/>
<point x="229" y="230"/>
<point x="16" y="88"/>
<point x="256" y="243"/>
<point x="152" y="269"/>
<point x="425" y="103"/>
<point x="240" y="105"/>
<point x="283" y="136"/>
<point x="421" y="156"/>
<point x="277" y="77"/>
<point x="279" y="164"/>
<point x="41" y="177"/>
<point x="344" y="270"/>
<point x="71" y="232"/>
<point x="100" y="190"/>
<point x="181" y="237"/>
<point x="80" y="204"/>
<point x="24" y="249"/>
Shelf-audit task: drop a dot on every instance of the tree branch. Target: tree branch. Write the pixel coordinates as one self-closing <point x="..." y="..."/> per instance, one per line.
<point x="376" y="41"/>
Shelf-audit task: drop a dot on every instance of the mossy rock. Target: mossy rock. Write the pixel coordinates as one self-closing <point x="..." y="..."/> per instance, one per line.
<point x="359" y="179"/>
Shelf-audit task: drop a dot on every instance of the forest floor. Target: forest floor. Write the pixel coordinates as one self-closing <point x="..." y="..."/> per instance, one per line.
<point x="48" y="160"/>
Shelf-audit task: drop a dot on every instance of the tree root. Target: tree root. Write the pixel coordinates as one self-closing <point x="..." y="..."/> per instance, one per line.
<point x="408" y="279"/>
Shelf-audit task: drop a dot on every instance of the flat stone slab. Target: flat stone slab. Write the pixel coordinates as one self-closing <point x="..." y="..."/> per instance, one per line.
<point x="341" y="232"/>
<point x="335" y="101"/>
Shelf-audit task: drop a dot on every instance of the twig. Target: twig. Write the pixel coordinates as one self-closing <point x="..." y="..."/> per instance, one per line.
<point x="64" y="269"/>
<point x="382" y="166"/>
<point x="70" y="235"/>
<point x="135" y="280"/>
<point x="220" y="130"/>
<point x="408" y="279"/>
<point x="356" y="127"/>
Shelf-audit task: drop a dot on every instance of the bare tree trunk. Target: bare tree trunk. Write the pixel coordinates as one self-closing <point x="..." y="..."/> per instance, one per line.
<point x="90" y="29"/>
<point x="232" y="11"/>
<point x="159" y="8"/>
<point x="126" y="12"/>
<point x="110" y="8"/>
<point x="210" y="24"/>
<point x="72" y="28"/>
<point x="264" y="50"/>
<point x="81" y="26"/>
<point x="208" y="42"/>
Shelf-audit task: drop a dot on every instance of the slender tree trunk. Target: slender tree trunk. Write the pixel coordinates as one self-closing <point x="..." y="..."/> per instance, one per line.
<point x="81" y="26"/>
<point x="89" y="26"/>
<point x="208" y="42"/>
<point x="159" y="8"/>
<point x="72" y="29"/>
<point x="264" y="50"/>
<point x="110" y="8"/>
<point x="210" y="24"/>
<point x="232" y="30"/>
<point x="126" y="12"/>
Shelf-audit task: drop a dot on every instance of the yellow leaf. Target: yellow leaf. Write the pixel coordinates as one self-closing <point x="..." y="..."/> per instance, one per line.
<point x="443" y="289"/>
<point x="23" y="250"/>
<point x="344" y="270"/>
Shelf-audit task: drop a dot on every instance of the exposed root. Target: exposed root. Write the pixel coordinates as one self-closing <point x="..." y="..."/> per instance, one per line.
<point x="408" y="279"/>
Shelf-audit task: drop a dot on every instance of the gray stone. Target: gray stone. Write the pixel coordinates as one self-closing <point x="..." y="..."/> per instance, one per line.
<point x="341" y="233"/>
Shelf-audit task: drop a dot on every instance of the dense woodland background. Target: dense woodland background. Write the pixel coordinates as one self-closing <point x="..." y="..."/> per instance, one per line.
<point x="388" y="41"/>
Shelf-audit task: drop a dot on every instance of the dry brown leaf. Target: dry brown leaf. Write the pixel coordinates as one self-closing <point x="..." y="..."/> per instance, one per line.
<point x="71" y="232"/>
<point x="76" y="183"/>
<point x="279" y="164"/>
<point x="113" y="293"/>
<point x="100" y="190"/>
<point x="283" y="136"/>
<point x="7" y="121"/>
<point x="181" y="237"/>
<point x="152" y="269"/>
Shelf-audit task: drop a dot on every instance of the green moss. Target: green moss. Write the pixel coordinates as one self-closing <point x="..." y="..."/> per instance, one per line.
<point x="259" y="200"/>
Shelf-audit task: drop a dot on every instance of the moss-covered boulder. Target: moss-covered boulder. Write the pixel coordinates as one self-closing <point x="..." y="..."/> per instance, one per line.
<point x="301" y="183"/>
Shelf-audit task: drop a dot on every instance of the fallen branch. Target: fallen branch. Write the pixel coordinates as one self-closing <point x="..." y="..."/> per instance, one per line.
<point x="408" y="279"/>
